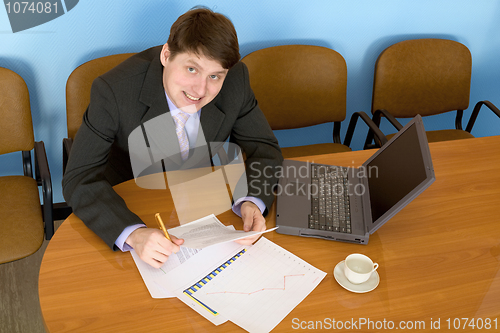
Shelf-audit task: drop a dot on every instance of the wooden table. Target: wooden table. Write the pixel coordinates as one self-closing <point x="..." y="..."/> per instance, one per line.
<point x="439" y="261"/>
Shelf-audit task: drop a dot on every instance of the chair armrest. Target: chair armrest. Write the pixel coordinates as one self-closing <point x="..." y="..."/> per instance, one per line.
<point x="27" y="168"/>
<point x="475" y="112"/>
<point x="42" y="176"/>
<point x="377" y="115"/>
<point x="373" y="128"/>
<point x="67" y="144"/>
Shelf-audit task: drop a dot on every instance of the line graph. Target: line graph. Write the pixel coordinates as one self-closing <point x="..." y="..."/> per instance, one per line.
<point x="267" y="282"/>
<point x="256" y="291"/>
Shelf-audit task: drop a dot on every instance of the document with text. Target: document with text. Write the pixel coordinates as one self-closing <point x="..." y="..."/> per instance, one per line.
<point x="149" y="273"/>
<point x="208" y="231"/>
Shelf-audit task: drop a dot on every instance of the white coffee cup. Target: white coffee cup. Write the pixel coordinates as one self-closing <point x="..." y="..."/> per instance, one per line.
<point x="358" y="268"/>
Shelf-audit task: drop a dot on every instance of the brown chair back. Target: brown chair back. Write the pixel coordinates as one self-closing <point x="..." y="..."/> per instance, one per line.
<point x="79" y="84"/>
<point x="298" y="85"/>
<point x="22" y="222"/>
<point x="16" y="127"/>
<point x="422" y="76"/>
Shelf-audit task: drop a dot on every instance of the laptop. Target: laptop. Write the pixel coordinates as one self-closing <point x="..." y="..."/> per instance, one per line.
<point x="349" y="204"/>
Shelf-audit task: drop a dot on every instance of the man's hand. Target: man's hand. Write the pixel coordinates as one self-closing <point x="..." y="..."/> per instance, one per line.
<point x="252" y="221"/>
<point x="152" y="246"/>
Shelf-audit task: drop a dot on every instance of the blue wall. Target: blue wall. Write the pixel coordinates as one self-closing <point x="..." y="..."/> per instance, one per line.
<point x="358" y="29"/>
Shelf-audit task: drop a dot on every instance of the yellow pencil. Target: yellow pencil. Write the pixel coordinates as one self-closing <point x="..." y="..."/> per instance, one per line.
<point x="162" y="226"/>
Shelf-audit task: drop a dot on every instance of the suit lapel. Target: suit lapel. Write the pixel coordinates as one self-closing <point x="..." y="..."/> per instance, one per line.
<point x="211" y="121"/>
<point x="152" y="92"/>
<point x="160" y="131"/>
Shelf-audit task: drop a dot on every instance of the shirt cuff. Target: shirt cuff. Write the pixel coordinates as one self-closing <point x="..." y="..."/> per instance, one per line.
<point x="259" y="203"/>
<point x="120" y="241"/>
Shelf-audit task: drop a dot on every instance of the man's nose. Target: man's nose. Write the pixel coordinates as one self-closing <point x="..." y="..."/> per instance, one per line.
<point x="200" y="87"/>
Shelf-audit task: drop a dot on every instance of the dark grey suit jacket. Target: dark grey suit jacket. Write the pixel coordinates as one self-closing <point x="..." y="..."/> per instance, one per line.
<point x="130" y="95"/>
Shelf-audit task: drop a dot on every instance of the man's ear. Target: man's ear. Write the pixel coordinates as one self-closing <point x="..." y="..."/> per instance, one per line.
<point x="164" y="54"/>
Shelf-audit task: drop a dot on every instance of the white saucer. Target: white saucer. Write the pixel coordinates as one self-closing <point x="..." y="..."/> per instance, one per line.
<point x="364" y="287"/>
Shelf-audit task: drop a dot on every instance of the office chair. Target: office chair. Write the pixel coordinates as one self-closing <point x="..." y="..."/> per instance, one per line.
<point x="303" y="85"/>
<point x="78" y="93"/>
<point x="22" y="222"/>
<point x="426" y="77"/>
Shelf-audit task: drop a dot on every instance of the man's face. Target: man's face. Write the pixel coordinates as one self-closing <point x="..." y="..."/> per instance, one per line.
<point x="190" y="79"/>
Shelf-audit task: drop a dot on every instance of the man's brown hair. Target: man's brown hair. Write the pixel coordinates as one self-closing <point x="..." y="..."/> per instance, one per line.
<point x="200" y="30"/>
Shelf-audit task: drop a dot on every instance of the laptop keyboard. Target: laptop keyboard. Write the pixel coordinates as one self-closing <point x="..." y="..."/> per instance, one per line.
<point x="329" y="199"/>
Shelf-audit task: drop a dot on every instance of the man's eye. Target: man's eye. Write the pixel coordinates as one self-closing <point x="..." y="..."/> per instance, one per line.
<point x="214" y="77"/>
<point x="191" y="70"/>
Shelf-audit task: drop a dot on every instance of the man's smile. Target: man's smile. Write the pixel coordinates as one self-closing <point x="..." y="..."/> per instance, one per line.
<point x="191" y="97"/>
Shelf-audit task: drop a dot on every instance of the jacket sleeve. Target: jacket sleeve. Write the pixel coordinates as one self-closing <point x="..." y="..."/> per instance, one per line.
<point x="85" y="188"/>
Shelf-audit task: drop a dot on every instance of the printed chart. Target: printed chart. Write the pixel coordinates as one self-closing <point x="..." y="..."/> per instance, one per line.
<point x="283" y="288"/>
<point x="265" y="282"/>
<point x="190" y="292"/>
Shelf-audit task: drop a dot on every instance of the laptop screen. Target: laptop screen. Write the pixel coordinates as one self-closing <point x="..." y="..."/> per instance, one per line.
<point x="395" y="172"/>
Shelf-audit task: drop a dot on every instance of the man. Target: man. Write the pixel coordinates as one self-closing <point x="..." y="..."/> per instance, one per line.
<point x="197" y="70"/>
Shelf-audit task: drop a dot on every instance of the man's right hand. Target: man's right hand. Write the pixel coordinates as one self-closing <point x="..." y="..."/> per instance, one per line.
<point x="152" y="246"/>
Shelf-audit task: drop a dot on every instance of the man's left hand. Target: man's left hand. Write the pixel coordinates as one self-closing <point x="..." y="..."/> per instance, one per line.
<point x="252" y="221"/>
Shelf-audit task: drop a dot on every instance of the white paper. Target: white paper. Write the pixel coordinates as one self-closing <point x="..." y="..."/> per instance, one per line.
<point x="192" y="271"/>
<point x="266" y="283"/>
<point x="256" y="291"/>
<point x="149" y="273"/>
<point x="208" y="231"/>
